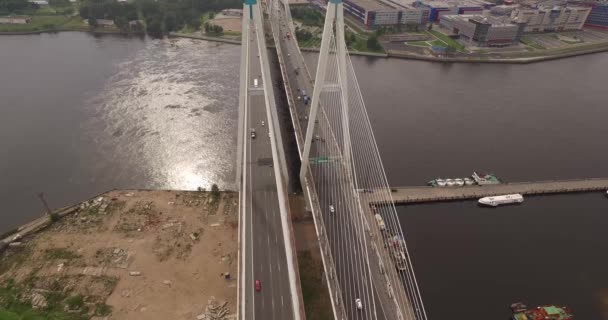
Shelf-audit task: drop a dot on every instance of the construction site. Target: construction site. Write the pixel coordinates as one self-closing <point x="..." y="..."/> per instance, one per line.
<point x="125" y="255"/>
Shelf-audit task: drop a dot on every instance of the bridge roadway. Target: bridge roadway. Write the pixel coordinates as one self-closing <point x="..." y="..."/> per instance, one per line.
<point x="262" y="241"/>
<point x="352" y="276"/>
<point x="432" y="194"/>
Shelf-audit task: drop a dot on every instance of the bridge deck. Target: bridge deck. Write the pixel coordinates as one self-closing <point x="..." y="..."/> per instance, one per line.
<point x="432" y="194"/>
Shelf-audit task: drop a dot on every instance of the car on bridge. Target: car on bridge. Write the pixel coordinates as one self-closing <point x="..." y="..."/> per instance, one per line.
<point x="258" y="285"/>
<point x="331" y="208"/>
<point x="252" y="133"/>
<point x="359" y="304"/>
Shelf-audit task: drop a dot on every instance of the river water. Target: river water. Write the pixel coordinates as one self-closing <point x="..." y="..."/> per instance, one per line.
<point x="80" y="115"/>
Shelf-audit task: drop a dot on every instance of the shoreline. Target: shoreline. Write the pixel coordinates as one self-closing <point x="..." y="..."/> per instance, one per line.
<point x="38" y="32"/>
<point x="389" y="54"/>
<point x="39" y="223"/>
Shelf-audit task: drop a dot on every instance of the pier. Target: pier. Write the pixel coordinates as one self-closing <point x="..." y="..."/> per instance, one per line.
<point x="404" y="195"/>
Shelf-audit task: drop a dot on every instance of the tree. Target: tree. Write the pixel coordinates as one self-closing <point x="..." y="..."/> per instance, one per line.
<point x="170" y="22"/>
<point x="154" y="26"/>
<point x="92" y="22"/>
<point x="122" y="23"/>
<point x="373" y="44"/>
<point x="215" y="191"/>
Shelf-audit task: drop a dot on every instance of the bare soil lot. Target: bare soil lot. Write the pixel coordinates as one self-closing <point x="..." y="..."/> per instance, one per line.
<point x="128" y="255"/>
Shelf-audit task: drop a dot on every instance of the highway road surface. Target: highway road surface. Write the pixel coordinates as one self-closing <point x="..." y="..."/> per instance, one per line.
<point x="265" y="257"/>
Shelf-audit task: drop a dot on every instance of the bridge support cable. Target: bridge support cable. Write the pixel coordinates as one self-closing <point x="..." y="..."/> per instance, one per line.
<point x="370" y="170"/>
<point x="382" y="238"/>
<point x="330" y="167"/>
<point x="337" y="181"/>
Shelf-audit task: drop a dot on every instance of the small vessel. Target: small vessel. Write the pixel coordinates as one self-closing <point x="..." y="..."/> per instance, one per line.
<point x="474" y="179"/>
<point x="518" y="307"/>
<point x="484" y="179"/>
<point x="546" y="312"/>
<point x="500" y="200"/>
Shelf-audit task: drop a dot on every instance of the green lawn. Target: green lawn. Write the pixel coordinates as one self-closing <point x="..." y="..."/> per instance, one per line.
<point x="531" y="43"/>
<point x="44" y="23"/>
<point x="314" y="293"/>
<point x="419" y="43"/>
<point x="447" y="40"/>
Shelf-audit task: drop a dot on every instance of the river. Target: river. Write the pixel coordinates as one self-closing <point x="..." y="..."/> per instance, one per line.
<point x="83" y="114"/>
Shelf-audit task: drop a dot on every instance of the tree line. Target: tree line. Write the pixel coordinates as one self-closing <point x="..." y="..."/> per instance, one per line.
<point x="161" y="17"/>
<point x="16" y="7"/>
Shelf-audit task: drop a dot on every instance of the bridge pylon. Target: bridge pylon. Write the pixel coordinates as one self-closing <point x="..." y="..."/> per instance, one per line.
<point x="332" y="29"/>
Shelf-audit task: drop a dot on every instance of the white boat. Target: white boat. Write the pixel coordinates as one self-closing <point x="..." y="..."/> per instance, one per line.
<point x="441" y="183"/>
<point x="468" y="181"/>
<point x="459" y="182"/>
<point x="500" y="200"/>
<point x="450" y="182"/>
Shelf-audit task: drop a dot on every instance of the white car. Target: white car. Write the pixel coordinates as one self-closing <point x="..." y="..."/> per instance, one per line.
<point x="262" y="123"/>
<point x="331" y="208"/>
<point x="359" y="304"/>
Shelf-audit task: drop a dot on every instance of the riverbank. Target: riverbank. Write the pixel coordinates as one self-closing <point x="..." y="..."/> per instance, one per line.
<point x="201" y="37"/>
<point x="538" y="57"/>
<point x="126" y="253"/>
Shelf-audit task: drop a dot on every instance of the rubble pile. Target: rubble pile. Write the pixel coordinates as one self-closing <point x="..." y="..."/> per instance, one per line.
<point x="214" y="311"/>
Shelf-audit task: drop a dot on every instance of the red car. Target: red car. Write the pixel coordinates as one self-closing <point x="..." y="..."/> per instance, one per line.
<point x="258" y="285"/>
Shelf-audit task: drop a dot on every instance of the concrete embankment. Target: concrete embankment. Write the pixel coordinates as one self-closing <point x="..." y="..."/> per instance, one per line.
<point x="200" y="37"/>
<point x="404" y="195"/>
<point x="481" y="59"/>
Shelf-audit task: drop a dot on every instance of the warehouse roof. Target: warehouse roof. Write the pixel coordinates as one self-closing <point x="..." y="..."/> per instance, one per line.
<point x="370" y="5"/>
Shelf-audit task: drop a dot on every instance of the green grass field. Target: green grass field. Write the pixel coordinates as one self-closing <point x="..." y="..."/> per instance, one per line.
<point x="447" y="40"/>
<point x="45" y="23"/>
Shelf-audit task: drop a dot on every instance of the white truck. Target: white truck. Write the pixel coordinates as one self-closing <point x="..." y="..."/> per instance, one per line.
<point x="380" y="222"/>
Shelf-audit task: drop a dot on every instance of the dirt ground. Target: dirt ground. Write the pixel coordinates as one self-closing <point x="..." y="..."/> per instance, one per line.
<point x="229" y="23"/>
<point x="131" y="255"/>
<point x="317" y="303"/>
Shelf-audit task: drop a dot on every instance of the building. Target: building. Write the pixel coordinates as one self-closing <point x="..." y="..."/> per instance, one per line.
<point x="438" y="8"/>
<point x="16" y="20"/>
<point x="233" y="12"/>
<point x="372" y="13"/>
<point x="105" y="23"/>
<point x="483" y="31"/>
<point x="598" y="17"/>
<point x="552" y="19"/>
<point x="40" y="2"/>
<point x="410" y="15"/>
<point x="503" y="10"/>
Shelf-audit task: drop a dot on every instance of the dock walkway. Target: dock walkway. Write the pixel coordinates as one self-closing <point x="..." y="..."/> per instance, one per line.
<point x="403" y="195"/>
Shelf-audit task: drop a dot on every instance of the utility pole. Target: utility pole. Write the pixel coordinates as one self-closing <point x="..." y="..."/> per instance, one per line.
<point x="46" y="205"/>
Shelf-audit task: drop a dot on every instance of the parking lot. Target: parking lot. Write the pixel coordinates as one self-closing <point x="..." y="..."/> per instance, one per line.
<point x="556" y="40"/>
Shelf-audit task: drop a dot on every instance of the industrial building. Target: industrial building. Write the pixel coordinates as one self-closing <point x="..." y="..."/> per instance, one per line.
<point x="552" y="19"/>
<point x="598" y="17"/>
<point x="437" y="8"/>
<point x="373" y="13"/>
<point x="410" y="15"/>
<point x="483" y="31"/>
